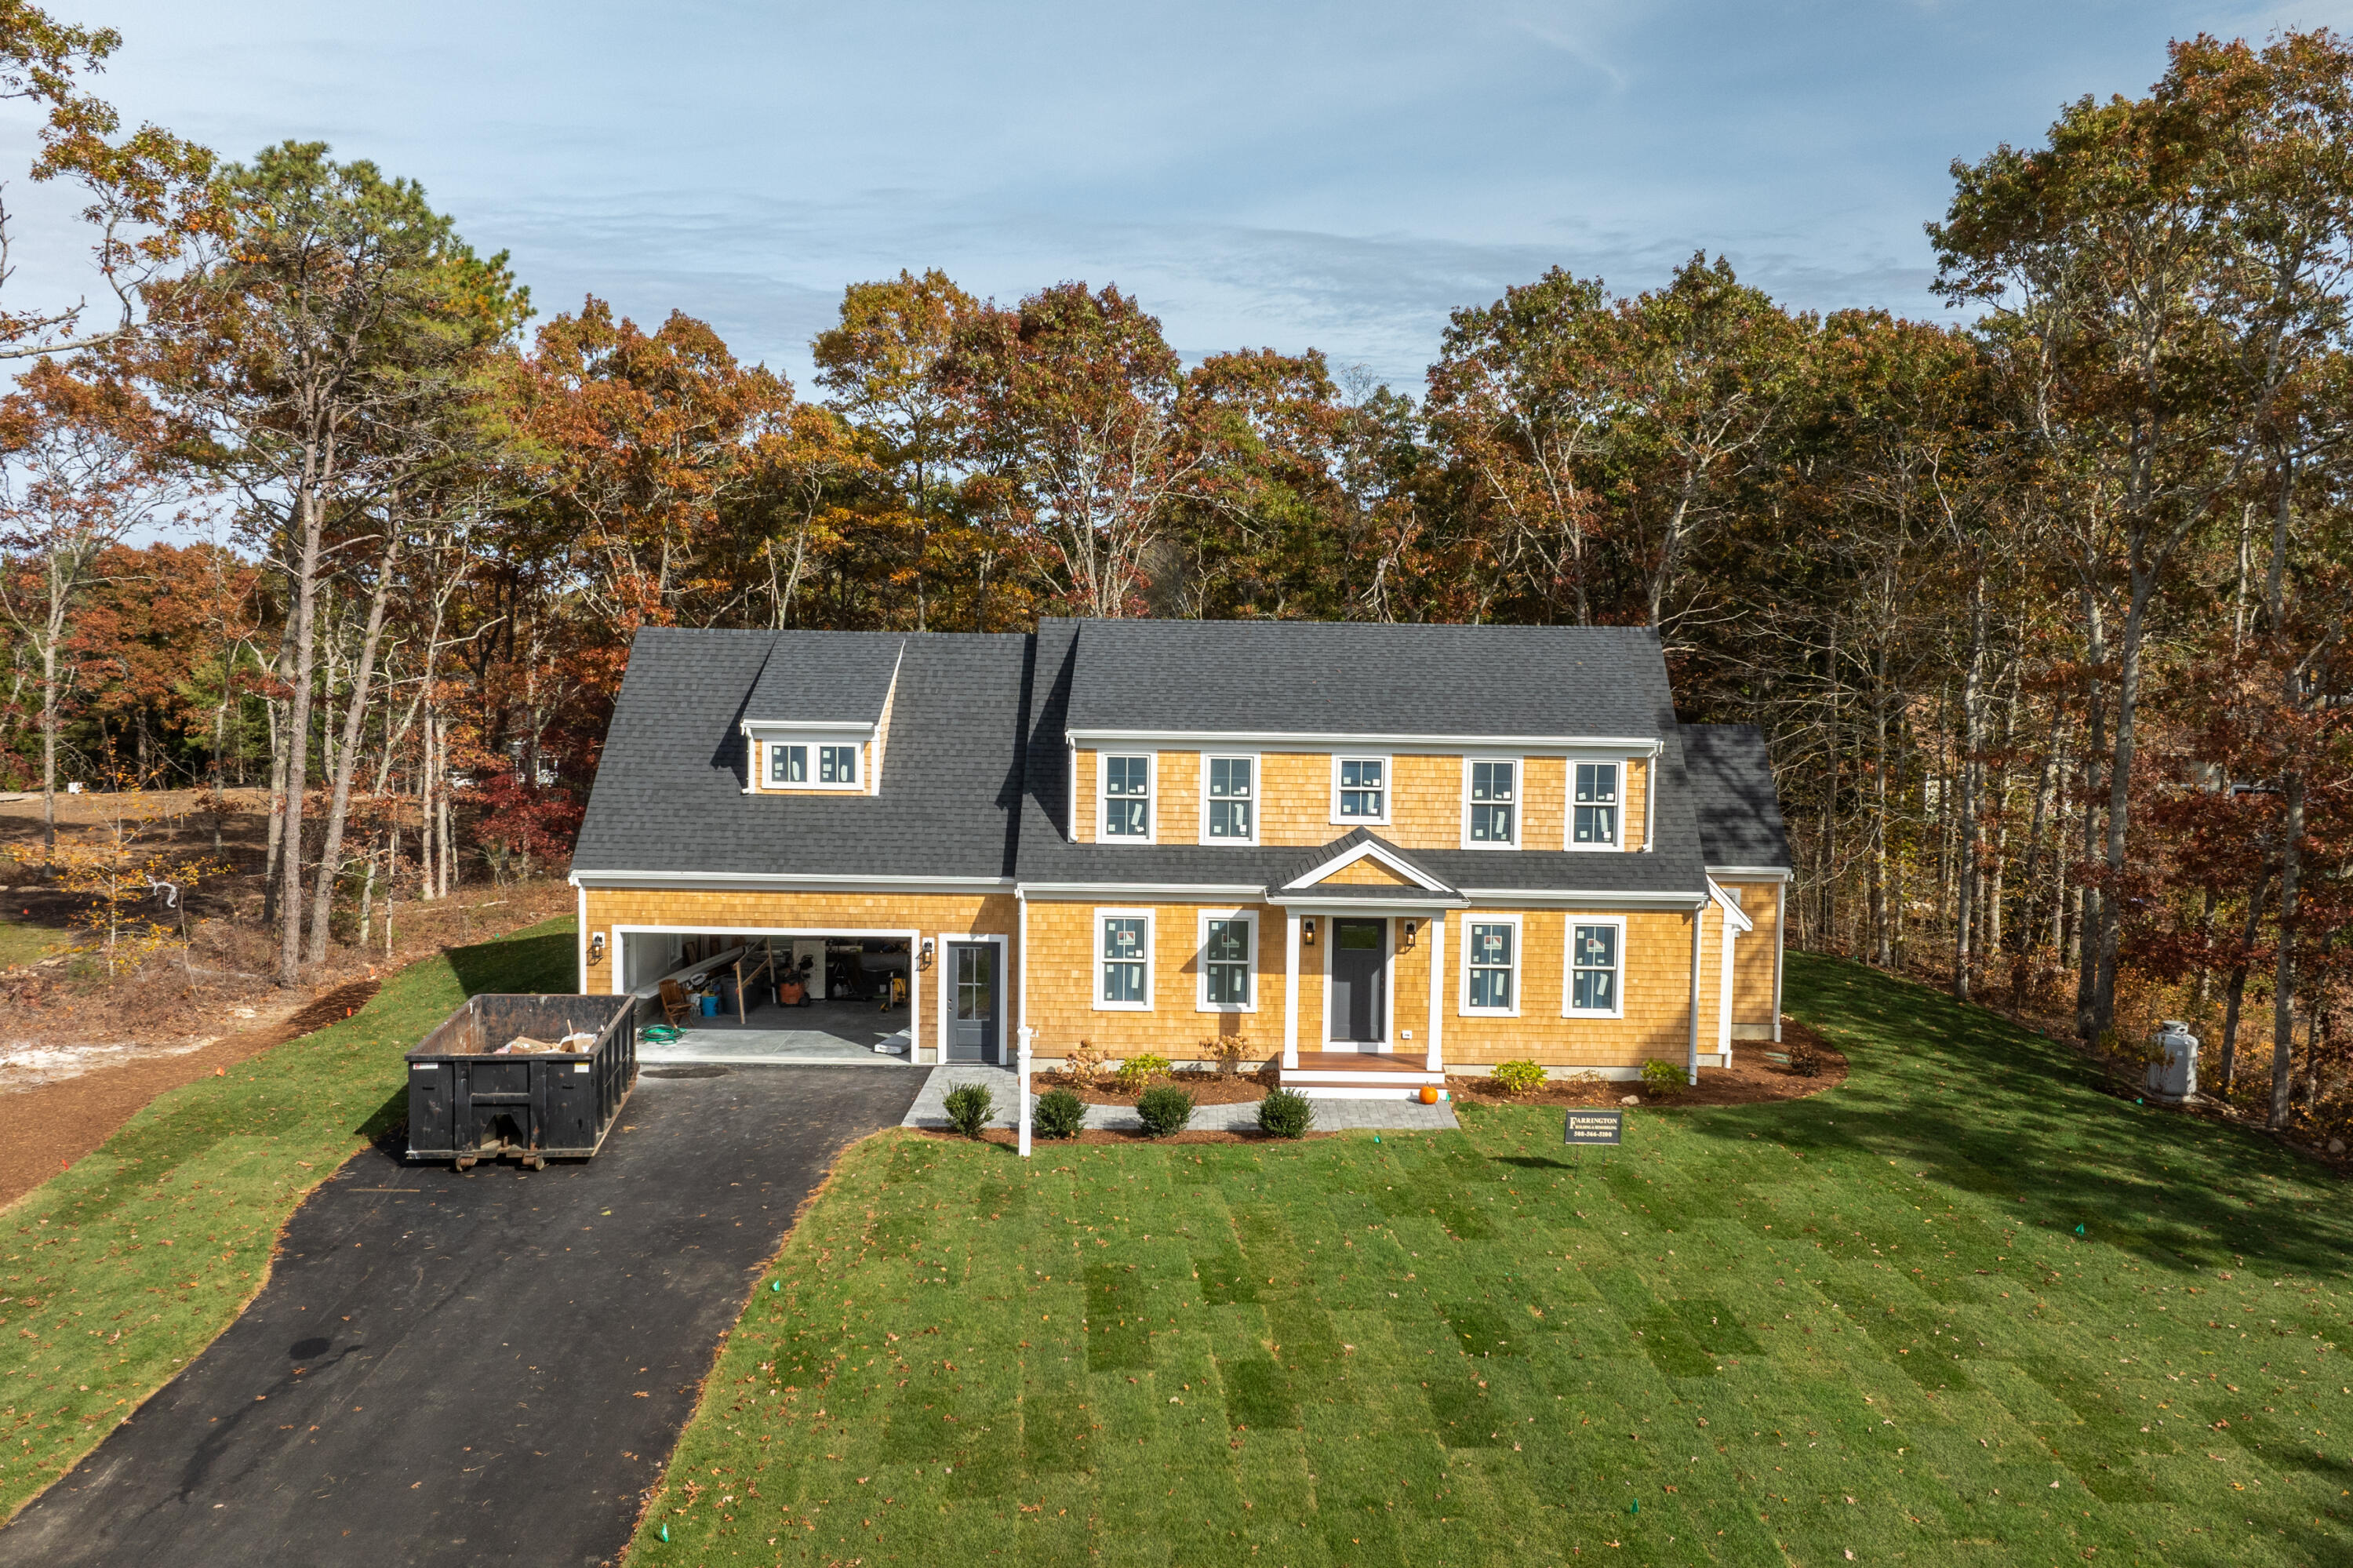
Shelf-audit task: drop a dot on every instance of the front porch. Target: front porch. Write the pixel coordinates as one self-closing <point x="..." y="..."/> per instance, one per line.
<point x="1359" y="1075"/>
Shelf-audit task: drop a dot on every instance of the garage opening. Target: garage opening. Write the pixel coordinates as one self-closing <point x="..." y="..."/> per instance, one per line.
<point x="797" y="996"/>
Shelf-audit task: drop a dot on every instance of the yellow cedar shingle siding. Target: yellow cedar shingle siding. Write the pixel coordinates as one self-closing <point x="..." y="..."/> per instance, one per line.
<point x="1655" y="978"/>
<point x="1064" y="953"/>
<point x="1752" y="956"/>
<point x="1369" y="873"/>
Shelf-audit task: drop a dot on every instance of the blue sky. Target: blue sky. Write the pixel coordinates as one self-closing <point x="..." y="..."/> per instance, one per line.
<point x="1284" y="174"/>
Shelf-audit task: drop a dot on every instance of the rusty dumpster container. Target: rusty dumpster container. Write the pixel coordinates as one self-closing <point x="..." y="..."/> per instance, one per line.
<point x="540" y="1077"/>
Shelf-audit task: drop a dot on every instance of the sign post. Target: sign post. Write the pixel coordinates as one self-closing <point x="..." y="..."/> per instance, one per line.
<point x="1594" y="1127"/>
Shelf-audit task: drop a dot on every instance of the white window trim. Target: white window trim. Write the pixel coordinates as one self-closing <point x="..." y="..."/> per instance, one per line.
<point x="1151" y="798"/>
<point x="1519" y="802"/>
<point x="1568" y="1009"/>
<point x="1201" y="1002"/>
<point x="1096" y="959"/>
<point x="1257" y="799"/>
<point x="857" y="748"/>
<point x="1568" y="806"/>
<point x="1462" y="1008"/>
<point x="1389" y="788"/>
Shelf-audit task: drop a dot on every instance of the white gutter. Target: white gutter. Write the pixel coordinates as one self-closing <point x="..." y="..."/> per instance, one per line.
<point x="1190" y="891"/>
<point x="1749" y="873"/>
<point x="1505" y="895"/>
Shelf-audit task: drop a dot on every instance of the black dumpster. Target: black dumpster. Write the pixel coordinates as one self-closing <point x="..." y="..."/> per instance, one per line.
<point x="568" y="1063"/>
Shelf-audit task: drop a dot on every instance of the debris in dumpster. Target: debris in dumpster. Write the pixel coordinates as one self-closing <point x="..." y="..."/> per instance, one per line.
<point x="525" y="1045"/>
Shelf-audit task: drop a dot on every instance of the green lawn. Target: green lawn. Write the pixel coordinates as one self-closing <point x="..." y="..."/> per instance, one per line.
<point x="1864" y="1324"/>
<point x="22" y="942"/>
<point x="115" y="1273"/>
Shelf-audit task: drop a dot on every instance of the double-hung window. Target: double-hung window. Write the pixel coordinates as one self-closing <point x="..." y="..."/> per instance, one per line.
<point x="1229" y="948"/>
<point x="1594" y="819"/>
<point x="1360" y="787"/>
<point x="1123" y="941"/>
<point x="837" y="765"/>
<point x="1597" y="955"/>
<point x="789" y="765"/>
<point x="1230" y="814"/>
<point x="1127" y="797"/>
<point x="1494" y="804"/>
<point x="1490" y="967"/>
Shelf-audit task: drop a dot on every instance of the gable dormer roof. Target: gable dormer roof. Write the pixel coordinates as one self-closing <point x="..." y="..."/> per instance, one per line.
<point x="825" y="680"/>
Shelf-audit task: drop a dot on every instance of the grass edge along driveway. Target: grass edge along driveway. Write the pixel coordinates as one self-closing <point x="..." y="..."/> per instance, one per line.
<point x="1863" y="1323"/>
<point x="116" y="1273"/>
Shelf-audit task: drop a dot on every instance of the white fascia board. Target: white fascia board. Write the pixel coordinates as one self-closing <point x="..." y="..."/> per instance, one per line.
<point x="1186" y="892"/>
<point x="1504" y="897"/>
<point x="1189" y="740"/>
<point x="757" y="882"/>
<point x="1307" y="899"/>
<point x="1732" y="912"/>
<point x="1349" y="857"/>
<point x="850" y="729"/>
<point x="1749" y="873"/>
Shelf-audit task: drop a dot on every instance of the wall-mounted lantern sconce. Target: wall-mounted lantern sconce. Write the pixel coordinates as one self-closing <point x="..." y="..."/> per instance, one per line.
<point x="1307" y="930"/>
<point x="1412" y="927"/>
<point x="597" y="947"/>
<point x="927" y="952"/>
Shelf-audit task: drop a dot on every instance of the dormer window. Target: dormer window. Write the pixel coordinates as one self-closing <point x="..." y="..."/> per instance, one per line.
<point x="1127" y="798"/>
<point x="814" y="765"/>
<point x="789" y="765"/>
<point x="1493" y="805"/>
<point x="837" y="765"/>
<point x="1594" y="823"/>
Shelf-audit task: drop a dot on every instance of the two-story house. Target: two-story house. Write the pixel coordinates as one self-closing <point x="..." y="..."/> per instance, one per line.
<point x="1378" y="852"/>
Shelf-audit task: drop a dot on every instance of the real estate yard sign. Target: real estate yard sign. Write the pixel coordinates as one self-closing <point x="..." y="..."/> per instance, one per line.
<point x="1594" y="1127"/>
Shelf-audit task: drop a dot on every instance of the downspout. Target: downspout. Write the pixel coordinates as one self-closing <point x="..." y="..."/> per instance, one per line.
<point x="1780" y="923"/>
<point x="579" y="932"/>
<point x="1021" y="1012"/>
<point x="1651" y="800"/>
<point x="1071" y="795"/>
<point x="1699" y="919"/>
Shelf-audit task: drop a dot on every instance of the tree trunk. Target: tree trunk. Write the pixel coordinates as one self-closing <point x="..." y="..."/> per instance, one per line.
<point x="298" y="740"/>
<point x="1972" y="744"/>
<point x="2284" y="973"/>
<point x="347" y="754"/>
<point x="2104" y="996"/>
<point x="2237" y="990"/>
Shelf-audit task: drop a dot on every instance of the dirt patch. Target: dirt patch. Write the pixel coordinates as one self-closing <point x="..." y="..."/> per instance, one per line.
<point x="334" y="1007"/>
<point x="1752" y="1079"/>
<point x="1008" y="1138"/>
<point x="1207" y="1089"/>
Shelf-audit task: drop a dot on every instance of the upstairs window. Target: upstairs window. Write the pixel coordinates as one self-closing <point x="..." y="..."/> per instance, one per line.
<point x="1127" y="798"/>
<point x="1126" y="960"/>
<point x="1361" y="784"/>
<point x="1595" y="952"/>
<point x="789" y="765"/>
<point x="1490" y="967"/>
<point x="1595" y="818"/>
<point x="800" y="765"/>
<point x="1494" y="803"/>
<point x="1231" y="798"/>
<point x="837" y="765"/>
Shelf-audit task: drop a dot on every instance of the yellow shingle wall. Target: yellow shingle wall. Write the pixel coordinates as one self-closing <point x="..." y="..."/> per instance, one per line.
<point x="1657" y="990"/>
<point x="1632" y="801"/>
<point x="1543" y="802"/>
<point x="931" y="914"/>
<point x="1082" y="799"/>
<point x="1064" y="980"/>
<point x="1177" y="783"/>
<point x="1367" y="873"/>
<point x="1752" y="957"/>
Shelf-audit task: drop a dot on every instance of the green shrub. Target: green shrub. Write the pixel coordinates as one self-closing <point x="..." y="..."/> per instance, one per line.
<point x="1059" y="1114"/>
<point x="1285" y="1113"/>
<point x="1664" y="1078"/>
<point x="1140" y="1069"/>
<point x="1165" y="1111"/>
<point x="1518" y="1078"/>
<point x="968" y="1107"/>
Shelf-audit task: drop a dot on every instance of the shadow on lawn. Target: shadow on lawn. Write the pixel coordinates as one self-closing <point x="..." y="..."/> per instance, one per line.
<point x="1965" y="1097"/>
<point x="546" y="963"/>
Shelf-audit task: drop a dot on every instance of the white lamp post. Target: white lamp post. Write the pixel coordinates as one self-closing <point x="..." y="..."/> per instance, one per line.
<point x="1025" y="1032"/>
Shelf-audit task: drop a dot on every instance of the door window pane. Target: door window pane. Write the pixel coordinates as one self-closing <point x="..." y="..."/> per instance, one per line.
<point x="1229" y="797"/>
<point x="1363" y="787"/>
<point x="975" y="973"/>
<point x="1593" y="969"/>
<point x="1226" y="963"/>
<point x="1492" y="802"/>
<point x="1597" y="803"/>
<point x="1494" y="955"/>
<point x="1363" y="935"/>
<point x="1127" y="797"/>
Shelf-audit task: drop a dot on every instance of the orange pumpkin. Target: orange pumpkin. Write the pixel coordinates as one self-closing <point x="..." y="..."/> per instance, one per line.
<point x="1429" y="1093"/>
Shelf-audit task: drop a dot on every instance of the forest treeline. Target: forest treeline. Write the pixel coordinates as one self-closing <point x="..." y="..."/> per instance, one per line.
<point x="2039" y="603"/>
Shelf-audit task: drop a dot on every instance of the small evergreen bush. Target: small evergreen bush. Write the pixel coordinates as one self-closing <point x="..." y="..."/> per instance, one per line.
<point x="1518" y="1078"/>
<point x="1664" y="1078"/>
<point x="1059" y="1114"/>
<point x="1285" y="1113"/>
<point x="1140" y="1069"/>
<point x="969" y="1108"/>
<point x="1165" y="1111"/>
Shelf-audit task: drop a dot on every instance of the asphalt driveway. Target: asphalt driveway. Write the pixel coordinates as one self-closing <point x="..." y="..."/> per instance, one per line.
<point x="470" y="1369"/>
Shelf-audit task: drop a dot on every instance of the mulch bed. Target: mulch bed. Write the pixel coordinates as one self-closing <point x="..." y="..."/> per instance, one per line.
<point x="1207" y="1089"/>
<point x="1008" y="1136"/>
<point x="1750" y="1080"/>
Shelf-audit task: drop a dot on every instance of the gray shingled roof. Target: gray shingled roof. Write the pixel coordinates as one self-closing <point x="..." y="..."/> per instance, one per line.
<point x="1359" y="678"/>
<point x="1732" y="793"/>
<point x="977" y="770"/>
<point x="825" y="677"/>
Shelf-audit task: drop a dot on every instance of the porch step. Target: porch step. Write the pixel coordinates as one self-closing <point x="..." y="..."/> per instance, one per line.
<point x="1361" y="1075"/>
<point x="1390" y="1090"/>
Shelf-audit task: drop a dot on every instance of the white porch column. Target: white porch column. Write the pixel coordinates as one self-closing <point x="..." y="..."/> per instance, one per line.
<point x="1723" y="1009"/>
<point x="1291" y="988"/>
<point x="1437" y="990"/>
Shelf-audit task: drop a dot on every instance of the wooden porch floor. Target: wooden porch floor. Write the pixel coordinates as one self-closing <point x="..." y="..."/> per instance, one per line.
<point x="1358" y="1062"/>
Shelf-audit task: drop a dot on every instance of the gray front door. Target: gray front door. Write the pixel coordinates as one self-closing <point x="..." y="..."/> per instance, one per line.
<point x="972" y="1002"/>
<point x="1359" y="957"/>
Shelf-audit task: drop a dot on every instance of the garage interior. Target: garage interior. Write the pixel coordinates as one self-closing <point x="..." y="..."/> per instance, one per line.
<point x="786" y="997"/>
